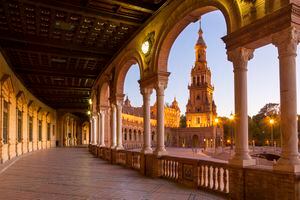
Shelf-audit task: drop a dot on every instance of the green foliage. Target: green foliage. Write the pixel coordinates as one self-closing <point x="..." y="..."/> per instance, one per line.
<point x="182" y="121"/>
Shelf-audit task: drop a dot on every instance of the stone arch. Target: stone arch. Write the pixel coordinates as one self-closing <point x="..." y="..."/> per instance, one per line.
<point x="130" y="58"/>
<point x="7" y="87"/>
<point x="104" y="94"/>
<point x="21" y="100"/>
<point x="189" y="11"/>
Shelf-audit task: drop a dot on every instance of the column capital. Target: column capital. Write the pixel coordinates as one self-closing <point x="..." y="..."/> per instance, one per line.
<point x="160" y="86"/>
<point x="286" y="41"/>
<point x="239" y="57"/>
<point x="146" y="90"/>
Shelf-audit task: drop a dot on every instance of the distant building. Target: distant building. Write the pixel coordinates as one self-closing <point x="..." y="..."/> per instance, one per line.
<point x="132" y="122"/>
<point x="201" y="108"/>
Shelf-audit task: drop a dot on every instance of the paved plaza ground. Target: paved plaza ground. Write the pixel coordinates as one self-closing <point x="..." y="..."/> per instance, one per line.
<point x="73" y="173"/>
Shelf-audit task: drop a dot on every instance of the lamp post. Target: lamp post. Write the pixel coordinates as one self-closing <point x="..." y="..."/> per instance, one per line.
<point x="272" y="121"/>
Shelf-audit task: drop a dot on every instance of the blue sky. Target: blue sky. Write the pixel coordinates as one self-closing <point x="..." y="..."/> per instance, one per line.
<point x="263" y="70"/>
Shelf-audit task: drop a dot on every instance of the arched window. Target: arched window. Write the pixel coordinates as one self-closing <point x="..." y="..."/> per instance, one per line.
<point x="19" y="125"/>
<point x="40" y="130"/>
<point x="125" y="134"/>
<point x="5" y="121"/>
<point x="134" y="135"/>
<point x="130" y="135"/>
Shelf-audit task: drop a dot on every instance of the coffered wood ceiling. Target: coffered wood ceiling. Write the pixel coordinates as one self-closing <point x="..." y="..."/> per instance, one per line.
<point x="58" y="48"/>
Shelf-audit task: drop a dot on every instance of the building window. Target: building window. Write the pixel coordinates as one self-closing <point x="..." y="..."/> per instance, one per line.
<point x="48" y="131"/>
<point x="19" y="125"/>
<point x="125" y="135"/>
<point x="40" y="130"/>
<point x="30" y="127"/>
<point x="198" y="120"/>
<point x="5" y="121"/>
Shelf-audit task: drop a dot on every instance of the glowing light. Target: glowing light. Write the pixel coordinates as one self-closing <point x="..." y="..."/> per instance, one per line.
<point x="88" y="112"/>
<point x="146" y="47"/>
<point x="272" y="121"/>
<point x="90" y="101"/>
<point x="216" y="120"/>
<point x="231" y="117"/>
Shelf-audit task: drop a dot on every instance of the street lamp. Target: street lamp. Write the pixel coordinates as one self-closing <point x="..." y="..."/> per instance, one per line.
<point x="272" y="121"/>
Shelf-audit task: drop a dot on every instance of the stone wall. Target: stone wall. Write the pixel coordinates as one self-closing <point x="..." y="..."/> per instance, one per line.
<point x="37" y="122"/>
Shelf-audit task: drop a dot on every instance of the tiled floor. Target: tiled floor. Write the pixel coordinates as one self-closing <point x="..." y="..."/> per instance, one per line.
<point x="70" y="173"/>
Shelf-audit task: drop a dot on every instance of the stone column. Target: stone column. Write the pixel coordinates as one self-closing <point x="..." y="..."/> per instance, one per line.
<point x="119" y="124"/>
<point x="98" y="128"/>
<point x="72" y="133"/>
<point x="146" y="92"/>
<point x="239" y="57"/>
<point x="286" y="41"/>
<point x="102" y="128"/>
<point x="75" y="133"/>
<point x="67" y="134"/>
<point x="95" y="129"/>
<point x="160" y="89"/>
<point x="91" y="131"/>
<point x="113" y="126"/>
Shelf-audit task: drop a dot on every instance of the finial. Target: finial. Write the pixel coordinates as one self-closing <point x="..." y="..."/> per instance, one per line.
<point x="200" y="27"/>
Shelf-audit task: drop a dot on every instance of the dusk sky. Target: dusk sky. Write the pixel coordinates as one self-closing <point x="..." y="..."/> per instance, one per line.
<point x="263" y="70"/>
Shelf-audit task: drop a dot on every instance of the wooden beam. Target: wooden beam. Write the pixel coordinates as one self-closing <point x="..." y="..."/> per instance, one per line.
<point x="18" y="41"/>
<point x="133" y="5"/>
<point x="42" y="72"/>
<point x="57" y="87"/>
<point x="87" y="12"/>
<point x="58" y="96"/>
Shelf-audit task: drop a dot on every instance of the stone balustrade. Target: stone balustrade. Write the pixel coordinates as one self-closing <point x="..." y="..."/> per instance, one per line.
<point x="216" y="176"/>
<point x="208" y="175"/>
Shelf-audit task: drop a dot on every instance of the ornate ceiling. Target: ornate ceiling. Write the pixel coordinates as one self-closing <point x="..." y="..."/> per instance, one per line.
<point x="58" y="48"/>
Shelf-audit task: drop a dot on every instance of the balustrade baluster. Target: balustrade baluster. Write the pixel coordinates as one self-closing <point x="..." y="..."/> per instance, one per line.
<point x="208" y="177"/>
<point x="226" y="185"/>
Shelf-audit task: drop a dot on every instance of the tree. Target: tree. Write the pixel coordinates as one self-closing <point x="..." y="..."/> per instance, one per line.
<point x="182" y="121"/>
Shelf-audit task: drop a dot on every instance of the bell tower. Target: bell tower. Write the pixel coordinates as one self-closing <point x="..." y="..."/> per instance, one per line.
<point x="201" y="108"/>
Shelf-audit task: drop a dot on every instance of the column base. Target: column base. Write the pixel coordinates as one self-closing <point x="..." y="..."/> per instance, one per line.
<point x="147" y="150"/>
<point x="287" y="165"/>
<point x="113" y="147"/>
<point x="161" y="151"/>
<point x="119" y="148"/>
<point x="102" y="145"/>
<point x="241" y="162"/>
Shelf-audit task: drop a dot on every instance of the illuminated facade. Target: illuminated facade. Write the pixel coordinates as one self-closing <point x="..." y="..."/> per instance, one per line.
<point x="132" y="122"/>
<point x="201" y="108"/>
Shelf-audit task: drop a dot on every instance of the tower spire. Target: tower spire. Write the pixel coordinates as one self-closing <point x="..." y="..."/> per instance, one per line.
<point x="200" y="41"/>
<point x="200" y="28"/>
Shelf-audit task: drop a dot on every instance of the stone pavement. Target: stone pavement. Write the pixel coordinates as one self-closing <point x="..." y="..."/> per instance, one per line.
<point x="73" y="173"/>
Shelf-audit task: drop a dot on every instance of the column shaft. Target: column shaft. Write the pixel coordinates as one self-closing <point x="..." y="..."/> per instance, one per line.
<point x="146" y="92"/>
<point x="119" y="125"/>
<point x="286" y="42"/>
<point x="240" y="57"/>
<point x="102" y="126"/>
<point x="160" y="149"/>
<point x="113" y="126"/>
